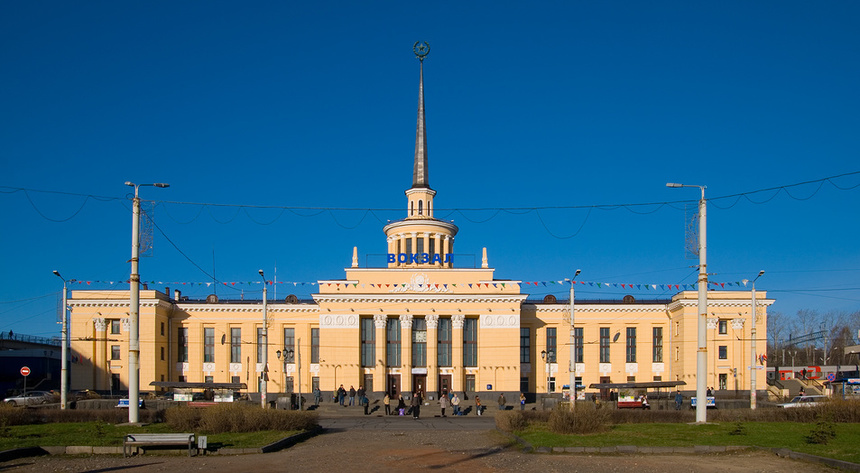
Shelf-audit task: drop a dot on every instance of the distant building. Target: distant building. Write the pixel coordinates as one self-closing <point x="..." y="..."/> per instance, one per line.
<point x="417" y="323"/>
<point x="41" y="355"/>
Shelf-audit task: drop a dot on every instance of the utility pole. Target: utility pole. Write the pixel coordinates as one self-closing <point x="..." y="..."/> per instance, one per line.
<point x="573" y="345"/>
<point x="265" y="340"/>
<point x="134" y="308"/>
<point x="753" y="367"/>
<point x="64" y="352"/>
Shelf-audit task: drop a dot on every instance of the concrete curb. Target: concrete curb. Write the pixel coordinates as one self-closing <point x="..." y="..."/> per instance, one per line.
<point x="17" y="453"/>
<point x="694" y="450"/>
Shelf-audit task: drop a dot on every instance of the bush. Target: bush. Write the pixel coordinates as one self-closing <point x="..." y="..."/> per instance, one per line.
<point x="586" y="420"/>
<point x="511" y="421"/>
<point x="233" y="417"/>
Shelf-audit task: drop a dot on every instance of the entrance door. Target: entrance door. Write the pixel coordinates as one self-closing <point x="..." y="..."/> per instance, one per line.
<point x="604" y="393"/>
<point x="444" y="383"/>
<point x="394" y="385"/>
<point x="419" y="383"/>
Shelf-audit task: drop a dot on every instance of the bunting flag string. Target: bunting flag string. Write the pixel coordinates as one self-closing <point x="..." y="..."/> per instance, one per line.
<point x="504" y="285"/>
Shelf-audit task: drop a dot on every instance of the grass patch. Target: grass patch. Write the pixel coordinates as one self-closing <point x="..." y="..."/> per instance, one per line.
<point x="87" y="433"/>
<point x="756" y="434"/>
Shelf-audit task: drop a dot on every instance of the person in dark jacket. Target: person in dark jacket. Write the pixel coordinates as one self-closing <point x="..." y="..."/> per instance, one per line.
<point x="416" y="405"/>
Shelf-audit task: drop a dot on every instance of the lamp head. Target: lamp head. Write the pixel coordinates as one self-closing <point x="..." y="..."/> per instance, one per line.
<point x="161" y="184"/>
<point x="261" y="272"/>
<point x="577" y="272"/>
<point x="674" y="184"/>
<point x="760" y="273"/>
<point x="129" y="183"/>
<point x="57" y="274"/>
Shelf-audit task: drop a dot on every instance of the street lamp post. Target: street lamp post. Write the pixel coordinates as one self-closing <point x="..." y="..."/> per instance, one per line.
<point x="134" y="307"/>
<point x="265" y="340"/>
<point x="64" y="374"/>
<point x="547" y="357"/>
<point x="753" y="366"/>
<point x="572" y="345"/>
<point x="702" y="352"/>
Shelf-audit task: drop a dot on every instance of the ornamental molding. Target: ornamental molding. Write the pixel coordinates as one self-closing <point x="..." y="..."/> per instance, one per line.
<point x="420" y="282"/>
<point x="658" y="367"/>
<point x="579" y="368"/>
<point x="604" y="368"/>
<point x="432" y="321"/>
<point x="712" y="323"/>
<point x="249" y="308"/>
<point x="595" y="308"/>
<point x="379" y="320"/>
<point x="100" y="324"/>
<point x="341" y="321"/>
<point x="676" y="305"/>
<point x="419" y="298"/>
<point x="737" y="324"/>
<point x="405" y="321"/>
<point x="491" y="321"/>
<point x="457" y="321"/>
<point x="118" y="303"/>
<point x="631" y="368"/>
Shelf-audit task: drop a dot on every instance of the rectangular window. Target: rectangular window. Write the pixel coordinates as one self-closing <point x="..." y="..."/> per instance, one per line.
<point x="209" y="345"/>
<point x="578" y="338"/>
<point x="235" y="379"/>
<point x="315" y="383"/>
<point x="392" y="342"/>
<point x="432" y="245"/>
<point x="631" y="344"/>
<point x="114" y="326"/>
<point x="551" y="342"/>
<point x="723" y="326"/>
<point x="162" y="329"/>
<point x="657" y="351"/>
<point x="260" y="344"/>
<point x="368" y="383"/>
<point x="235" y="345"/>
<point x="724" y="352"/>
<point x="604" y="344"/>
<point x="419" y="342"/>
<point x="289" y="386"/>
<point x="182" y="341"/>
<point x="419" y="245"/>
<point x="525" y="345"/>
<point x="208" y="379"/>
<point x="631" y="379"/>
<point x="470" y="383"/>
<point x="443" y="345"/>
<point x="470" y="342"/>
<point x="114" y="352"/>
<point x="677" y="328"/>
<point x="724" y="381"/>
<point x="289" y="353"/>
<point x="162" y="353"/>
<point x="183" y="379"/>
<point x="368" y="342"/>
<point x="315" y="345"/>
<point x="677" y="353"/>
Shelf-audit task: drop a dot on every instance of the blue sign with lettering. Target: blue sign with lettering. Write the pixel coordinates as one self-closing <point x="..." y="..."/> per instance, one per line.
<point x="419" y="258"/>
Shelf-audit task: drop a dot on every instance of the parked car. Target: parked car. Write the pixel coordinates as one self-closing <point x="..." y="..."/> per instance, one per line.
<point x="31" y="398"/>
<point x="803" y="401"/>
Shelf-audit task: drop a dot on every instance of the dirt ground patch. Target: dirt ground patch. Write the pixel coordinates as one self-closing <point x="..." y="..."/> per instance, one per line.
<point x="411" y="450"/>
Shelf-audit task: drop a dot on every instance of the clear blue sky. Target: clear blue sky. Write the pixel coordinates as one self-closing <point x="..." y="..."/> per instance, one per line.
<point x="312" y="104"/>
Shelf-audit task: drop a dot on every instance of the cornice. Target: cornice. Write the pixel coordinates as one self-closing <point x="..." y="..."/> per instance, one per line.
<point x="123" y="303"/>
<point x="676" y="305"/>
<point x="596" y="308"/>
<point x="417" y="298"/>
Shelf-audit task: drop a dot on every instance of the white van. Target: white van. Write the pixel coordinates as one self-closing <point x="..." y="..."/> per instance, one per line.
<point x="804" y="401"/>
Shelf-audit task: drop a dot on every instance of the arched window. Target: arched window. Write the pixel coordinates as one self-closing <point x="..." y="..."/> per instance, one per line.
<point x="420" y="207"/>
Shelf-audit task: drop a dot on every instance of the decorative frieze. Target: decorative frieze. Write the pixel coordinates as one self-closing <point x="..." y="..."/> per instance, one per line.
<point x="489" y="321"/>
<point x="339" y="321"/>
<point x="712" y="323"/>
<point x="379" y="320"/>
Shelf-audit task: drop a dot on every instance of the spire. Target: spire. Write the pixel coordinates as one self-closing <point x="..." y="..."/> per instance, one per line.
<point x="420" y="173"/>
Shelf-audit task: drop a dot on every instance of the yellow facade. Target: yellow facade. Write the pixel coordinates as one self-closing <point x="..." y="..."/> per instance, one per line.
<point x="419" y="323"/>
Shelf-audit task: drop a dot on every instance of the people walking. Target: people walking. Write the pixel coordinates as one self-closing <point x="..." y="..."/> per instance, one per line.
<point x="317" y="396"/>
<point x="443" y="403"/>
<point x="351" y="395"/>
<point x="522" y="401"/>
<point x="455" y="404"/>
<point x="679" y="399"/>
<point x="478" y="406"/>
<point x="386" y="401"/>
<point x="502" y="402"/>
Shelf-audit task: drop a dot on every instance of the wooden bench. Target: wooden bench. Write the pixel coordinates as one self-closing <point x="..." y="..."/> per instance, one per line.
<point x="137" y="441"/>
